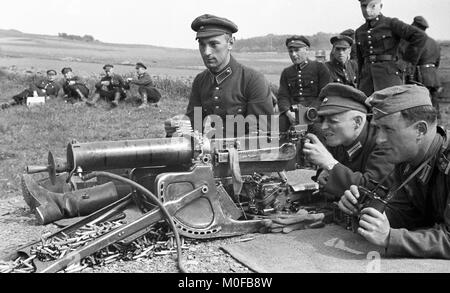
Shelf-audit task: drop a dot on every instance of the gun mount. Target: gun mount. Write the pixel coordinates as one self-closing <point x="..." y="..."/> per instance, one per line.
<point x="212" y="188"/>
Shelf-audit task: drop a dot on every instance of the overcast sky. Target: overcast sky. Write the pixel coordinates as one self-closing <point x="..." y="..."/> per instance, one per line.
<point x="167" y="22"/>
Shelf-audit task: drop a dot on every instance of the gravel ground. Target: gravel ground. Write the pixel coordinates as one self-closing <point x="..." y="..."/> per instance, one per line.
<point x="18" y="227"/>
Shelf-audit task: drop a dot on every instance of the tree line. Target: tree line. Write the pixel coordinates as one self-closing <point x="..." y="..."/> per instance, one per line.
<point x="276" y="43"/>
<point x="85" y="38"/>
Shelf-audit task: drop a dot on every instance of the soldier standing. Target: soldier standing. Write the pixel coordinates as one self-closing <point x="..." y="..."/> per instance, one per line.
<point x="351" y="33"/>
<point x="377" y="43"/>
<point x="75" y="89"/>
<point x="111" y="87"/>
<point x="226" y="88"/>
<point x="341" y="68"/>
<point x="301" y="82"/>
<point x="42" y="88"/>
<point x="426" y="71"/>
<point x="146" y="89"/>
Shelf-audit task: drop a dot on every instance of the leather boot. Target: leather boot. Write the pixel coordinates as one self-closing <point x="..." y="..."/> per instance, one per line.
<point x="51" y="206"/>
<point x="115" y="102"/>
<point x="144" y="101"/>
<point x="93" y="101"/>
<point x="82" y="97"/>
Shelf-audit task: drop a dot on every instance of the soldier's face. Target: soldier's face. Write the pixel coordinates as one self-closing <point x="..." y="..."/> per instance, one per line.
<point x="215" y="51"/>
<point x="109" y="72"/>
<point x="341" y="54"/>
<point x="298" y="55"/>
<point x="399" y="137"/>
<point x="68" y="75"/>
<point x="372" y="9"/>
<point x="140" y="70"/>
<point x="339" y="129"/>
<point x="51" y="77"/>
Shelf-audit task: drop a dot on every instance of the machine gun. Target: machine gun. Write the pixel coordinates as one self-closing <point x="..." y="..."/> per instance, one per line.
<point x="209" y="188"/>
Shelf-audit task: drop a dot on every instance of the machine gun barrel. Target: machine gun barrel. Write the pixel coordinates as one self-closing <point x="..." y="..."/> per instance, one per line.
<point x="98" y="156"/>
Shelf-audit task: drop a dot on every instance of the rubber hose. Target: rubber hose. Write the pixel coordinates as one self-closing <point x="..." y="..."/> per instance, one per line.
<point x="154" y="198"/>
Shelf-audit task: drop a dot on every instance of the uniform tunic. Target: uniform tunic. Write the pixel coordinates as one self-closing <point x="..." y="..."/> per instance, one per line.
<point x="43" y="88"/>
<point x="236" y="90"/>
<point x="377" y="46"/>
<point x="116" y="84"/>
<point x="301" y="84"/>
<point x="71" y="89"/>
<point x="420" y="211"/>
<point x="359" y="162"/>
<point x="46" y="88"/>
<point x="146" y="87"/>
<point x="343" y="73"/>
<point x="428" y="64"/>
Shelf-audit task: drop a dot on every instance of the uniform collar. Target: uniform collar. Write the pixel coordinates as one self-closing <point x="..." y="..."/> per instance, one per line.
<point x="373" y="22"/>
<point x="435" y="146"/>
<point x="355" y="148"/>
<point x="143" y="74"/>
<point x="342" y="65"/>
<point x="302" y="65"/>
<point x="226" y="72"/>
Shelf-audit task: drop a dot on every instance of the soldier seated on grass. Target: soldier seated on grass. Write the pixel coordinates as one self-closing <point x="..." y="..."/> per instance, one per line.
<point x="47" y="87"/>
<point x="111" y="87"/>
<point x="75" y="89"/>
<point x="147" y="91"/>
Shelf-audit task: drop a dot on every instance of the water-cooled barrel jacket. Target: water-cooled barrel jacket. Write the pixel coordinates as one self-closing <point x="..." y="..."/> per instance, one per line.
<point x="301" y="84"/>
<point x="236" y="90"/>
<point x="419" y="213"/>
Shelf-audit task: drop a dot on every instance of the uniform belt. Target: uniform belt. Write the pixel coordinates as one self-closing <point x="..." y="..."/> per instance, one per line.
<point x="427" y="65"/>
<point x="380" y="58"/>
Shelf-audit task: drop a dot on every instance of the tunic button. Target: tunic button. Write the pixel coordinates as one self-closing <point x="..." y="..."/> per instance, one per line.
<point x="370" y="42"/>
<point x="217" y="107"/>
<point x="216" y="98"/>
<point x="217" y="88"/>
<point x="300" y="93"/>
<point x="369" y="37"/>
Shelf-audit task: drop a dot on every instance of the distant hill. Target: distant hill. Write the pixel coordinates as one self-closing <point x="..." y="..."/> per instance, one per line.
<point x="276" y="43"/>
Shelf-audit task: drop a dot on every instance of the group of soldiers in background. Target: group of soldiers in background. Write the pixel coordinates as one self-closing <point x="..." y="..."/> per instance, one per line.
<point x="111" y="88"/>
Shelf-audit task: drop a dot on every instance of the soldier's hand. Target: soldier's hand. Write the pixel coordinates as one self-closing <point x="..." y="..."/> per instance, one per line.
<point x="72" y="82"/>
<point x="348" y="201"/>
<point x="106" y="83"/>
<point x="374" y="226"/>
<point x="286" y="223"/>
<point x="129" y="79"/>
<point x="291" y="116"/>
<point x="179" y="124"/>
<point x="317" y="153"/>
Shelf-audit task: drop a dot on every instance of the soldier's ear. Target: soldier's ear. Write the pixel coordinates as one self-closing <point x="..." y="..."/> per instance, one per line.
<point x="358" y="121"/>
<point x="231" y="43"/>
<point x="422" y="128"/>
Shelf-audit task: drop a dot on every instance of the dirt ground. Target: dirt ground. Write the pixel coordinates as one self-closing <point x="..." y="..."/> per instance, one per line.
<point x="18" y="226"/>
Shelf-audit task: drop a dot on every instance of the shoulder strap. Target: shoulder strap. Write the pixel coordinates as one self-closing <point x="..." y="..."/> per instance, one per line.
<point x="444" y="158"/>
